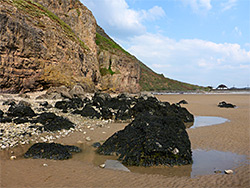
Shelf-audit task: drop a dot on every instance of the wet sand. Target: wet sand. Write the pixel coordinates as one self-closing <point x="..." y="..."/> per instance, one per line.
<point x="231" y="136"/>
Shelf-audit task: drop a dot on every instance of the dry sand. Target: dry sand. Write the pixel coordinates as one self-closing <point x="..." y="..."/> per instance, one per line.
<point x="231" y="136"/>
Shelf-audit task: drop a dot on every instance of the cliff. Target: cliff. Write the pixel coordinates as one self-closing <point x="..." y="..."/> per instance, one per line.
<point x="47" y="43"/>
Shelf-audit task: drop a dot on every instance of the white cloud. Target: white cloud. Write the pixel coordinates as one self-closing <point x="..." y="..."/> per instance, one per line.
<point x="120" y="20"/>
<point x="188" y="57"/>
<point x="198" y="6"/>
<point x="152" y="14"/>
<point x="237" y="31"/>
<point x="228" y="5"/>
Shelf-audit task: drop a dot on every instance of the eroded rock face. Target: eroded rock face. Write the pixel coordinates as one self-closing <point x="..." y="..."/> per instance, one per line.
<point x="150" y="140"/>
<point x="37" y="49"/>
<point x="126" y="72"/>
<point x="51" y="151"/>
<point x="46" y="43"/>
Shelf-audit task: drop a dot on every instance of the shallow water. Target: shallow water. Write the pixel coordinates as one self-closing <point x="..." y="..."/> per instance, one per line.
<point x="201" y="121"/>
<point x="204" y="163"/>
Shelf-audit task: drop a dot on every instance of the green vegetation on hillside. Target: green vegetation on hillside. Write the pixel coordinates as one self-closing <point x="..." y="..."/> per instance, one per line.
<point x="36" y="10"/>
<point x="149" y="80"/>
<point x="107" y="44"/>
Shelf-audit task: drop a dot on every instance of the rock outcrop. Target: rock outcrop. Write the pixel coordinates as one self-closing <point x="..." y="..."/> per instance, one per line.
<point x="150" y="140"/>
<point x="51" y="151"/>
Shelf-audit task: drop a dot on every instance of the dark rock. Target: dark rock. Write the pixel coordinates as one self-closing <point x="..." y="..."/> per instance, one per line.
<point x="9" y="102"/>
<point x="100" y="99"/>
<point x="124" y="107"/>
<point x="20" y="120"/>
<point x="1" y="113"/>
<point x="223" y="104"/>
<point x="151" y="140"/>
<point x="44" y="103"/>
<point x="96" y="144"/>
<point x="182" y="102"/>
<point x="20" y="111"/>
<point x="73" y="103"/>
<point x="5" y="120"/>
<point x="88" y="111"/>
<point x="50" y="151"/>
<point x="53" y="122"/>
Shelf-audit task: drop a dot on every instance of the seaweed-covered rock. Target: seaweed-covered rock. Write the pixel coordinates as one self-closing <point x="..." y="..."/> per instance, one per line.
<point x="53" y="122"/>
<point x="223" y="104"/>
<point x="1" y="113"/>
<point x="88" y="111"/>
<point x="182" y="102"/>
<point x="20" y="111"/>
<point x="51" y="151"/>
<point x="151" y="140"/>
<point x="9" y="102"/>
<point x="5" y="120"/>
<point x="20" y="120"/>
<point x="73" y="103"/>
<point x="125" y="108"/>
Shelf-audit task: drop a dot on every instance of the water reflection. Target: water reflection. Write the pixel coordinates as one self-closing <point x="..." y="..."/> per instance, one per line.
<point x="201" y="121"/>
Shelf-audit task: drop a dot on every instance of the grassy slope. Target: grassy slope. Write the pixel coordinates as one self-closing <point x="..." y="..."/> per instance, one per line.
<point x="149" y="80"/>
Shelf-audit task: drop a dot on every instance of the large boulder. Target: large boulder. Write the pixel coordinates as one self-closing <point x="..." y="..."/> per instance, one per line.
<point x="20" y="110"/>
<point x="151" y="140"/>
<point x="52" y="122"/>
<point x="51" y="151"/>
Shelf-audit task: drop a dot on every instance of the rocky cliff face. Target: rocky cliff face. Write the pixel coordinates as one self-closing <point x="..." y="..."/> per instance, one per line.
<point x="47" y="43"/>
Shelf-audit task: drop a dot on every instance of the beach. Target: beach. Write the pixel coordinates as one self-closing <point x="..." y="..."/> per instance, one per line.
<point x="231" y="136"/>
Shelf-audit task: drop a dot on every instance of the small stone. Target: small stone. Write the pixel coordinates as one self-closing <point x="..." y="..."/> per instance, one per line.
<point x="102" y="166"/>
<point x="45" y="165"/>
<point x="13" y="157"/>
<point x="79" y="142"/>
<point x="91" y="129"/>
<point x="217" y="171"/>
<point x="88" y="139"/>
<point x="228" y="171"/>
<point x="175" y="151"/>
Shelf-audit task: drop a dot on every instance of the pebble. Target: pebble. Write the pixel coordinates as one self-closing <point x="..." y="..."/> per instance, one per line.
<point x="228" y="171"/>
<point x="13" y="157"/>
<point x="45" y="165"/>
<point x="102" y="165"/>
<point x="12" y="135"/>
<point x="88" y="139"/>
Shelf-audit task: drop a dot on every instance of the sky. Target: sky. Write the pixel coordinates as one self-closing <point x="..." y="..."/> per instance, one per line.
<point x="202" y="42"/>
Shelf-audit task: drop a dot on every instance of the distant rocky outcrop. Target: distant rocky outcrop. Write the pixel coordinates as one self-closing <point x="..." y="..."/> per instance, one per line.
<point x="224" y="104"/>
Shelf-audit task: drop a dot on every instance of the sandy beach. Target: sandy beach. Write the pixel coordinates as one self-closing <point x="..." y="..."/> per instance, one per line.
<point x="231" y="136"/>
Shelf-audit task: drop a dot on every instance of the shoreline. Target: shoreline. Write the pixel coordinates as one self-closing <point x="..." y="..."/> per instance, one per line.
<point x="230" y="136"/>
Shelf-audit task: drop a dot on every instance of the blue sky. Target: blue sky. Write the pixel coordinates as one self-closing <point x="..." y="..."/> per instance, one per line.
<point x="204" y="42"/>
